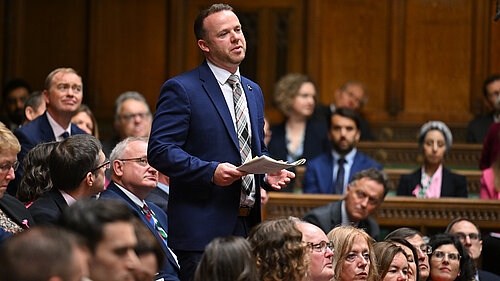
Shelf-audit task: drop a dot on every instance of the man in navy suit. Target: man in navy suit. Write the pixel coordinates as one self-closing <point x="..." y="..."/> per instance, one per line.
<point x="132" y="180"/>
<point x="194" y="142"/>
<point x="332" y="171"/>
<point x="63" y="95"/>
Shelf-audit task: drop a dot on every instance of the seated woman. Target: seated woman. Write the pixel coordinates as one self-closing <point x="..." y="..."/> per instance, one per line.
<point x="392" y="263"/>
<point x="411" y="257"/>
<point x="14" y="217"/>
<point x="278" y="251"/>
<point x="297" y="137"/>
<point x="353" y="258"/>
<point x="449" y="260"/>
<point x="227" y="259"/>
<point x="433" y="180"/>
<point x="85" y="120"/>
<point x="490" y="182"/>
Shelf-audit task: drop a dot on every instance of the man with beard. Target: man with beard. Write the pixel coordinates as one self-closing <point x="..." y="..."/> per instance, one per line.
<point x="330" y="172"/>
<point x="363" y="196"/>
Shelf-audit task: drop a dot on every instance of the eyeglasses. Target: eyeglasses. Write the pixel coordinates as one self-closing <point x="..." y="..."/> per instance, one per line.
<point x="424" y="248"/>
<point x="321" y="246"/>
<point x="440" y="255"/>
<point x="132" y="116"/>
<point x="353" y="256"/>
<point x="106" y="165"/>
<point x="142" y="161"/>
<point x="7" y="166"/>
<point x="462" y="236"/>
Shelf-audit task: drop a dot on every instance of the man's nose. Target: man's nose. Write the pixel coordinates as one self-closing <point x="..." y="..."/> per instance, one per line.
<point x="328" y="252"/>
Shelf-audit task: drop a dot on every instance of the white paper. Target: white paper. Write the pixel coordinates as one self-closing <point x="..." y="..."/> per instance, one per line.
<point x="264" y="164"/>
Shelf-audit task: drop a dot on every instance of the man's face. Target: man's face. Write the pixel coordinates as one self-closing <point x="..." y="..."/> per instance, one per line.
<point x="344" y="134"/>
<point x="423" y="259"/>
<point x="135" y="174"/>
<point x="15" y="104"/>
<point x="135" y="119"/>
<point x="352" y="97"/>
<point x="363" y="198"/>
<point x="320" y="266"/>
<point x="114" y="258"/>
<point x="65" y="94"/>
<point x="225" y="44"/>
<point x="99" y="177"/>
<point x="469" y="237"/>
<point x="493" y="91"/>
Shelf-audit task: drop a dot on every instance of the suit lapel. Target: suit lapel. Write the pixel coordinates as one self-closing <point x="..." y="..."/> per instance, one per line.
<point x="46" y="129"/>
<point x="327" y="186"/>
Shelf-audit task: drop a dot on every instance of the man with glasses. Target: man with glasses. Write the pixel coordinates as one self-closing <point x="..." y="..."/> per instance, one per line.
<point x="132" y="180"/>
<point x="416" y="240"/>
<point x="320" y="265"/>
<point x="63" y="95"/>
<point x="364" y="195"/>
<point x="469" y="235"/>
<point x="76" y="167"/>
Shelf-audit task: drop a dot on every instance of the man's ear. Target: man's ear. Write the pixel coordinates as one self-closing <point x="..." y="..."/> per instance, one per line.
<point x="88" y="179"/>
<point x="118" y="168"/>
<point x="28" y="113"/>
<point x="45" y="95"/>
<point x="203" y="46"/>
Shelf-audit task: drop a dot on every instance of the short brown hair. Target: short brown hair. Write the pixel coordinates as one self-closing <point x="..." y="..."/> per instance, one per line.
<point x="199" y="29"/>
<point x="48" y="80"/>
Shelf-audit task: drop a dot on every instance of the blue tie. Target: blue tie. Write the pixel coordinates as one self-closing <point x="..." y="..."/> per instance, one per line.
<point x="65" y="135"/>
<point x="339" y="181"/>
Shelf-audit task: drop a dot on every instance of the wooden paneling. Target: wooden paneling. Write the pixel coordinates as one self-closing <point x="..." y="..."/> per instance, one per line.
<point x="494" y="47"/>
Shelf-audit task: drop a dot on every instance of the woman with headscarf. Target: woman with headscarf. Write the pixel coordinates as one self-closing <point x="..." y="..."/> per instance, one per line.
<point x="433" y="180"/>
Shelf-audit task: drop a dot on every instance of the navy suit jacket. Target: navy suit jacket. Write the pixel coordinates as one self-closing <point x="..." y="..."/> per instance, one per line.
<point x="31" y="134"/>
<point x="329" y="216"/>
<point x="192" y="133"/>
<point x="452" y="185"/>
<point x="487" y="276"/>
<point x="48" y="208"/>
<point x="170" y="270"/>
<point x="319" y="176"/>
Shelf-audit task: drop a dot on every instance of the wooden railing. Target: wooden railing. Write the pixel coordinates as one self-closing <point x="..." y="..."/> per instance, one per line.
<point x="426" y="215"/>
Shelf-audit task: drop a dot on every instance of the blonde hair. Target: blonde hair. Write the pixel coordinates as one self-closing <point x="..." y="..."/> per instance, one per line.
<point x="7" y="140"/>
<point x="48" y="80"/>
<point x="343" y="239"/>
<point x="286" y="90"/>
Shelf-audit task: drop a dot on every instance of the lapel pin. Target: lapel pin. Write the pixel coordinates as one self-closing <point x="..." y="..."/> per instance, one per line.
<point x="249" y="88"/>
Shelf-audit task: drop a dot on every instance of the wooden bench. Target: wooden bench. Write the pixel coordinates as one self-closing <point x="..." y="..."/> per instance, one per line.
<point x="426" y="215"/>
<point x="408" y="131"/>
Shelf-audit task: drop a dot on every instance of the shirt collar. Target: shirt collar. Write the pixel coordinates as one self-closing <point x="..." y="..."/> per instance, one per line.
<point x="349" y="157"/>
<point x="221" y="74"/>
<point x="132" y="196"/>
<point x="163" y="187"/>
<point x="68" y="198"/>
<point x="56" y="128"/>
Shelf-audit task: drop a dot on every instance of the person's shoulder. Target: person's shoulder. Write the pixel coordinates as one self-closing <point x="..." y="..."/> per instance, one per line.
<point x="320" y="159"/>
<point x="32" y="126"/>
<point x="366" y="160"/>
<point x="487" y="276"/>
<point x="481" y="119"/>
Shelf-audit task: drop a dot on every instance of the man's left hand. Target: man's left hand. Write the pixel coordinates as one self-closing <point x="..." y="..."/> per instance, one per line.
<point x="279" y="179"/>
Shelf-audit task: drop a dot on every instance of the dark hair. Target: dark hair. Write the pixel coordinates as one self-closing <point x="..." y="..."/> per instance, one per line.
<point x="403" y="233"/>
<point x="453" y="222"/>
<point x="467" y="269"/>
<point x="38" y="254"/>
<point x="384" y="255"/>
<point x="227" y="259"/>
<point x="279" y="251"/>
<point x="404" y="242"/>
<point x="87" y="217"/>
<point x="147" y="243"/>
<point x="347" y="113"/>
<point x="72" y="159"/>
<point x="488" y="81"/>
<point x="14" y="84"/>
<point x="199" y="29"/>
<point x="372" y="174"/>
<point x="36" y="176"/>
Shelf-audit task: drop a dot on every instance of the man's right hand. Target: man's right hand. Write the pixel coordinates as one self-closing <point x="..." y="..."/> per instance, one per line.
<point x="226" y="173"/>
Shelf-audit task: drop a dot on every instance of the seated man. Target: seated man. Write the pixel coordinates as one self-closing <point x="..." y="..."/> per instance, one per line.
<point x="76" y="168"/>
<point x="320" y="264"/>
<point x="364" y="195"/>
<point x="43" y="253"/>
<point x="479" y="126"/>
<point x="132" y="180"/>
<point x="34" y="107"/>
<point x="107" y="227"/>
<point x="469" y="235"/>
<point x="15" y="93"/>
<point x="330" y="172"/>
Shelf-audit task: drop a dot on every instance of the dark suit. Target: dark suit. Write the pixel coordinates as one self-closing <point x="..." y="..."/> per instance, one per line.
<point x="329" y="216"/>
<point x="319" y="176"/>
<point x="170" y="271"/>
<point x="477" y="129"/>
<point x="192" y="133"/>
<point x="31" y="134"/>
<point x="159" y="198"/>
<point x="452" y="185"/>
<point x="487" y="276"/>
<point x="17" y="212"/>
<point x="315" y="143"/>
<point x="48" y="208"/>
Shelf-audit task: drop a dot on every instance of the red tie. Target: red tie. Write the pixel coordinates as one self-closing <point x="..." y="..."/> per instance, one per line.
<point x="147" y="212"/>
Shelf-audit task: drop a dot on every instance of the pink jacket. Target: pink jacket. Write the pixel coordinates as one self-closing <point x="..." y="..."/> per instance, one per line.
<point x="488" y="185"/>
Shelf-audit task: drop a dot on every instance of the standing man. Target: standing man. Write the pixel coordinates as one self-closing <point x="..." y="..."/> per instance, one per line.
<point x="203" y="118"/>
<point x="63" y="95"/>
<point x="331" y="171"/>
